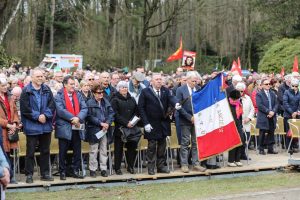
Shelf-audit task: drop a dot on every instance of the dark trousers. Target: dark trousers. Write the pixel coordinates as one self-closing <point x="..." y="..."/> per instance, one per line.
<point x="266" y="138"/>
<point x="234" y="155"/>
<point x="156" y="152"/>
<point x="130" y="153"/>
<point x="44" y="144"/>
<point x="64" y="145"/>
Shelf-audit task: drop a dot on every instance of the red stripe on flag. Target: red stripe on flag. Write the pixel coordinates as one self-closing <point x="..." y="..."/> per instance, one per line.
<point x="218" y="141"/>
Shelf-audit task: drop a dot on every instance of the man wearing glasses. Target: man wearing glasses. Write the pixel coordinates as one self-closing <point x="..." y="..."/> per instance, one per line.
<point x="267" y="106"/>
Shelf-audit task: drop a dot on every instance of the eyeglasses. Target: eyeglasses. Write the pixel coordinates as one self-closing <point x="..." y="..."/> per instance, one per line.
<point x="294" y="85"/>
<point x="91" y="79"/>
<point x="99" y="92"/>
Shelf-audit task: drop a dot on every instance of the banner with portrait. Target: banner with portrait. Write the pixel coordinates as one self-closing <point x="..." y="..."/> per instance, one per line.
<point x="188" y="60"/>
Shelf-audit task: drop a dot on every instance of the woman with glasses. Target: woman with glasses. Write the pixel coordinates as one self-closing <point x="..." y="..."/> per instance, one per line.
<point x="291" y="107"/>
<point x="98" y="120"/>
<point x="125" y="108"/>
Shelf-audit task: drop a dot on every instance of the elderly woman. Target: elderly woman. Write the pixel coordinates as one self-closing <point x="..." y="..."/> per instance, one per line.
<point x="9" y="119"/>
<point x="98" y="120"/>
<point x="85" y="87"/>
<point x="125" y="108"/>
<point x="248" y="114"/>
<point x="291" y="107"/>
<point x="136" y="85"/>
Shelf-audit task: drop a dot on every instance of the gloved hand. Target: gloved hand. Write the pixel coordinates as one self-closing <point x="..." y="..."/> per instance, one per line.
<point x="148" y="128"/>
<point x="177" y="106"/>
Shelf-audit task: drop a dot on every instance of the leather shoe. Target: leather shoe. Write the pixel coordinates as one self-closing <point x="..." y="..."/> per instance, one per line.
<point x="130" y="170"/>
<point x="104" y="173"/>
<point x="93" y="174"/>
<point x="244" y="158"/>
<point x="262" y="152"/>
<point x="47" y="178"/>
<point x="62" y="176"/>
<point x="118" y="172"/>
<point x="272" y="152"/>
<point x="29" y="179"/>
<point x="151" y="172"/>
<point x="212" y="167"/>
<point x="163" y="170"/>
<point x="77" y="175"/>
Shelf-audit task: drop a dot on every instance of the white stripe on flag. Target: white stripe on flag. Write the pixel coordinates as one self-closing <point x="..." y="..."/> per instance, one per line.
<point x="212" y="118"/>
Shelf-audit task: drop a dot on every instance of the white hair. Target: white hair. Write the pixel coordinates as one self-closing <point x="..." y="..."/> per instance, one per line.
<point x="16" y="90"/>
<point x="240" y="86"/>
<point x="192" y="74"/>
<point x="237" y="78"/>
<point x="3" y="80"/>
<point x="121" y="84"/>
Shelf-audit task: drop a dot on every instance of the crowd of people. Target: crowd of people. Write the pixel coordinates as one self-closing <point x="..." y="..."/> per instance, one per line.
<point x="102" y="108"/>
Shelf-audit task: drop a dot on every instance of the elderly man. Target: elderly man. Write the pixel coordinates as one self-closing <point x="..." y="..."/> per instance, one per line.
<point x="71" y="112"/>
<point x="153" y="104"/>
<point x="37" y="111"/>
<point x="15" y="95"/>
<point x="105" y="82"/>
<point x="115" y="79"/>
<point x="187" y="123"/>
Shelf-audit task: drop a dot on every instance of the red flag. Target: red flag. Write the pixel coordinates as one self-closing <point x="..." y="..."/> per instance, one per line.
<point x="239" y="63"/>
<point x="236" y="68"/>
<point x="178" y="54"/>
<point x="295" y="66"/>
<point x="282" y="72"/>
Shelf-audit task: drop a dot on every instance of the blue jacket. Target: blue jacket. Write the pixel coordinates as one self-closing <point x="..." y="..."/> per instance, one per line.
<point x="96" y="116"/>
<point x="63" y="126"/>
<point x="30" y="110"/>
<point x="186" y="113"/>
<point x="291" y="102"/>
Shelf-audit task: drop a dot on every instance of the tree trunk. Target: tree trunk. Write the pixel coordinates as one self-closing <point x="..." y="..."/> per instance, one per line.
<point x="13" y="15"/>
<point x="52" y="26"/>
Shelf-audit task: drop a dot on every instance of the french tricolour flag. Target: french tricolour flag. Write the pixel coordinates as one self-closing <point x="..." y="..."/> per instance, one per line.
<point x="214" y="125"/>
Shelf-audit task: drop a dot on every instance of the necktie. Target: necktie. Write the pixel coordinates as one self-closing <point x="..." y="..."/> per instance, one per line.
<point x="269" y="100"/>
<point x="157" y="92"/>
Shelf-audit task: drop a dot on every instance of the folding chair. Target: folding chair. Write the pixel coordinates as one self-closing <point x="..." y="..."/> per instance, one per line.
<point x="279" y="131"/>
<point x="85" y="148"/>
<point x="172" y="143"/>
<point x="111" y="149"/>
<point x="254" y="132"/>
<point x="295" y="133"/>
<point x="142" y="146"/>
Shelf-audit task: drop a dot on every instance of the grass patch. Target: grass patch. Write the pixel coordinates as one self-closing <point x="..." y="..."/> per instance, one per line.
<point x="174" y="191"/>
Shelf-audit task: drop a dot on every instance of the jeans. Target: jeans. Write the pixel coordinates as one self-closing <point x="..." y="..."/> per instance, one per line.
<point x="188" y="135"/>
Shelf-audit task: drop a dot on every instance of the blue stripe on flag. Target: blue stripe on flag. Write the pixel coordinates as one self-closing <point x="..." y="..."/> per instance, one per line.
<point x="209" y="95"/>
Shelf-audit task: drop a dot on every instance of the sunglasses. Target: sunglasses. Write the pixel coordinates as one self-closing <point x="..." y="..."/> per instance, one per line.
<point x="91" y="79"/>
<point x="267" y="84"/>
<point x="99" y="92"/>
<point x="294" y="85"/>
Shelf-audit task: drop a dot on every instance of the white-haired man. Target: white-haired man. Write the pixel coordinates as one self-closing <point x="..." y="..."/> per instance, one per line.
<point x="186" y="119"/>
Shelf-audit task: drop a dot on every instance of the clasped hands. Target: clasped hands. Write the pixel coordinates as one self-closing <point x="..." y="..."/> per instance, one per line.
<point x="271" y="114"/>
<point x="75" y="121"/>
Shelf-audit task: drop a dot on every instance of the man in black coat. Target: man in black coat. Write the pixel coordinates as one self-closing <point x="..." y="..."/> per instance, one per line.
<point x="153" y="104"/>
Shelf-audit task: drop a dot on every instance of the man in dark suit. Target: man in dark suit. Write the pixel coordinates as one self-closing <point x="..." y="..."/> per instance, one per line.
<point x="267" y="105"/>
<point x="187" y="123"/>
<point x="153" y="104"/>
